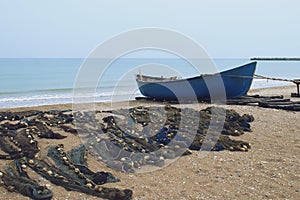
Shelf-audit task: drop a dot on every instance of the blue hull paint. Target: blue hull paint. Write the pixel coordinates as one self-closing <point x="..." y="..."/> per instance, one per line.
<point x="236" y="82"/>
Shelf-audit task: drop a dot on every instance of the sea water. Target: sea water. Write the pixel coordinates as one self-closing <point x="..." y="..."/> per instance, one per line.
<point x="28" y="82"/>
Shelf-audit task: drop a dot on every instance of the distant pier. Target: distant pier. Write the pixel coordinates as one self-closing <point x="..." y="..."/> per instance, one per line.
<point x="276" y="59"/>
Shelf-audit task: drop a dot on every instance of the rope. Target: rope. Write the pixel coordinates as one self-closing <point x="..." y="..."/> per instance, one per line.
<point x="274" y="79"/>
<point x="296" y="81"/>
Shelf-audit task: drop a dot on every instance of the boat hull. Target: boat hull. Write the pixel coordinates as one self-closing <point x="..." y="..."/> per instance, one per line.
<point x="235" y="82"/>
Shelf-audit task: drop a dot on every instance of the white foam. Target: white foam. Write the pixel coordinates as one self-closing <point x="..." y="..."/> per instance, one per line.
<point x="27" y="100"/>
<point x="51" y="99"/>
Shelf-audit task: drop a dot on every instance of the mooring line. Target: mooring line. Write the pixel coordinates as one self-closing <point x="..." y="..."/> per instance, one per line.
<point x="276" y="79"/>
<point x="264" y="77"/>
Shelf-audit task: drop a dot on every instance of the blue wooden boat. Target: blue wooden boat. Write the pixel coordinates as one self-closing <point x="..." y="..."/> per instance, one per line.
<point x="236" y="82"/>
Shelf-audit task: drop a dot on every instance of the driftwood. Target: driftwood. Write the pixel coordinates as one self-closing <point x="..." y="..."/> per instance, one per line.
<point x="291" y="106"/>
<point x="275" y="102"/>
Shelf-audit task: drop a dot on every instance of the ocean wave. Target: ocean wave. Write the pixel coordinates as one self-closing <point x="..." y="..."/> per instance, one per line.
<point x="70" y="97"/>
<point x="67" y="89"/>
<point x="59" y="90"/>
<point x="66" y="95"/>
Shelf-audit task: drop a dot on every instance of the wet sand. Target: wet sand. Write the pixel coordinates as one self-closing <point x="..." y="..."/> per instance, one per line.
<point x="269" y="170"/>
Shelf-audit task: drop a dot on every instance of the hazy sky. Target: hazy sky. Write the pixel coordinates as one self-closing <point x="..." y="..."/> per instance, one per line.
<point x="225" y="28"/>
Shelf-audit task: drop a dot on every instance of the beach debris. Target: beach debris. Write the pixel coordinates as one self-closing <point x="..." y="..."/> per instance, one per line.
<point x="65" y="173"/>
<point x="76" y="176"/>
<point x="275" y="102"/>
<point x="124" y="139"/>
<point x="132" y="138"/>
<point x="17" y="144"/>
<point x="73" y="164"/>
<point x="18" y="133"/>
<point x="16" y="179"/>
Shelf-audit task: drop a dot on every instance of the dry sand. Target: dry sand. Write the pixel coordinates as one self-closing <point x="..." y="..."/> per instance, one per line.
<point x="270" y="170"/>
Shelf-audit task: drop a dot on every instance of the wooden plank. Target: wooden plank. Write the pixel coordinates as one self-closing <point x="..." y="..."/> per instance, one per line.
<point x="275" y="59"/>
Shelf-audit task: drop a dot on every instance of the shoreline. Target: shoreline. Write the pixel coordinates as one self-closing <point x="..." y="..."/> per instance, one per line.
<point x="277" y="90"/>
<point x="269" y="170"/>
<point x="285" y="90"/>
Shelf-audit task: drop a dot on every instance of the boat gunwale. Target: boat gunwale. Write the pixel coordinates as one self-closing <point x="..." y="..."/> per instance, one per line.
<point x="195" y="77"/>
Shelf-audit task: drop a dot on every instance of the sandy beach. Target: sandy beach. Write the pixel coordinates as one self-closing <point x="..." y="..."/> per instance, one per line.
<point x="269" y="170"/>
